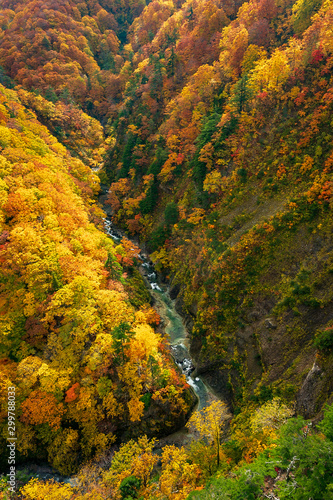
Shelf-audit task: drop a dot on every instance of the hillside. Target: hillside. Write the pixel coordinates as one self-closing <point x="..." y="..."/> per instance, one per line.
<point x="77" y="328"/>
<point x="208" y="123"/>
<point x="227" y="177"/>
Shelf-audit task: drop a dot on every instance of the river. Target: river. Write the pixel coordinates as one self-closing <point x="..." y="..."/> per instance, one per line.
<point x="173" y="324"/>
<point x="174" y="328"/>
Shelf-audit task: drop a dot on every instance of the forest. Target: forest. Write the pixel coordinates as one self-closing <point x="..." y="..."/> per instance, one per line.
<point x="203" y="128"/>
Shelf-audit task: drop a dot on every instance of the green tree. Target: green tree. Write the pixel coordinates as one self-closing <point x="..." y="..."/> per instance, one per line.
<point x="326" y="425"/>
<point x="241" y="94"/>
<point x="122" y="335"/>
<point x="50" y="94"/>
<point x="303" y="10"/>
<point x="129" y="487"/>
<point x="113" y="266"/>
<point x="171" y="213"/>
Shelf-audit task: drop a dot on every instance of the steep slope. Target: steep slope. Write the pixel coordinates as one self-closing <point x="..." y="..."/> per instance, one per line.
<point x="233" y="192"/>
<point x="51" y="47"/>
<point x="77" y="337"/>
<point x="218" y="155"/>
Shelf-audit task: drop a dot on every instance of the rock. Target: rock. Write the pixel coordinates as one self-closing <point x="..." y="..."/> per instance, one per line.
<point x="253" y="316"/>
<point x="309" y="392"/>
<point x="270" y="323"/>
<point x="180" y="353"/>
<point x="174" y="291"/>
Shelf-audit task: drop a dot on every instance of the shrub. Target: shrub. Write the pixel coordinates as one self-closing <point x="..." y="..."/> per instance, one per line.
<point x="129" y="487"/>
<point x="324" y="339"/>
<point x="326" y="425"/>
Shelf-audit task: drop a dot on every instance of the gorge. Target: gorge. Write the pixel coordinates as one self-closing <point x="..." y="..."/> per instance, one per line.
<point x="172" y="323"/>
<point x="207" y="125"/>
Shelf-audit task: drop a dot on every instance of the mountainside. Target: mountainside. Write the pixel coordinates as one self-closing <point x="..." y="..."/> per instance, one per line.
<point x="77" y="327"/>
<point x="224" y="169"/>
<point x="209" y="125"/>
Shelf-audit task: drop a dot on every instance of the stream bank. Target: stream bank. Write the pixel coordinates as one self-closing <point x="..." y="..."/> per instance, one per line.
<point x="174" y="328"/>
<point x="173" y="325"/>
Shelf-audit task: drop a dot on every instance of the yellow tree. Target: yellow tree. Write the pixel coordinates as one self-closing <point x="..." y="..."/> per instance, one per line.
<point x="178" y="477"/>
<point x="272" y="73"/>
<point x="134" y="458"/>
<point x="208" y="423"/>
<point x="49" y="490"/>
<point x="213" y="182"/>
<point x="271" y="415"/>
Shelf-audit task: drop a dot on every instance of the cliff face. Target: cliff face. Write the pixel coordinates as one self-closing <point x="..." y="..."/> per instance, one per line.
<point x="272" y="347"/>
<point x="274" y="343"/>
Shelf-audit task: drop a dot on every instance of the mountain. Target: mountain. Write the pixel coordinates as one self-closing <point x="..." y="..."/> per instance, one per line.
<point x="208" y="124"/>
<point x="223" y="154"/>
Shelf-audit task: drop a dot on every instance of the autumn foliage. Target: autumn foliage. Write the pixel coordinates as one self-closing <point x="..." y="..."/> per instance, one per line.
<point x="208" y="124"/>
<point x="86" y="359"/>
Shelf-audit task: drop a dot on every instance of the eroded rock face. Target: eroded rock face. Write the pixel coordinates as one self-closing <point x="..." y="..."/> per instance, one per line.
<point x="307" y="398"/>
<point x="174" y="292"/>
<point x="272" y="346"/>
